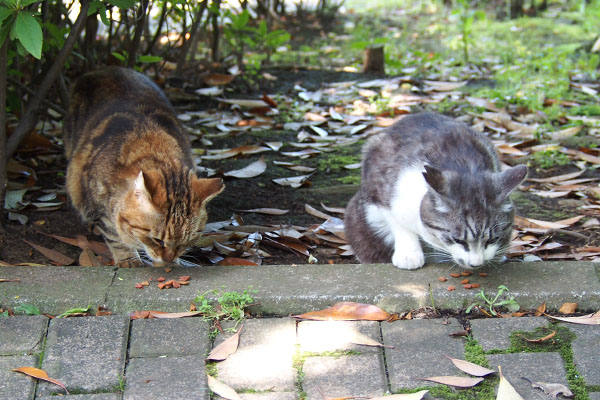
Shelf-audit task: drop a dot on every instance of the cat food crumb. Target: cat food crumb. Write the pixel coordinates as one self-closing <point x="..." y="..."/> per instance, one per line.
<point x="161" y="279"/>
<point x="184" y="278"/>
<point x="167" y="269"/>
<point x="145" y="283"/>
<point x="162" y="285"/>
<point x="468" y="286"/>
<point x="176" y="285"/>
<point x="466" y="273"/>
<point x="331" y="262"/>
<point x="464" y="281"/>
<point x="483" y="274"/>
<point x="139" y="286"/>
<point x="451" y="288"/>
<point x="474" y="285"/>
<point x="455" y="275"/>
<point x="442" y="279"/>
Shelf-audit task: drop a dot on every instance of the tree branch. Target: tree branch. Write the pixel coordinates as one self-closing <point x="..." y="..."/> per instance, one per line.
<point x="3" y="158"/>
<point x="29" y="118"/>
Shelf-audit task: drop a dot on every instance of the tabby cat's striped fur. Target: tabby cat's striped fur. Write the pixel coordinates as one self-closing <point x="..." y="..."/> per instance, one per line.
<point x="131" y="168"/>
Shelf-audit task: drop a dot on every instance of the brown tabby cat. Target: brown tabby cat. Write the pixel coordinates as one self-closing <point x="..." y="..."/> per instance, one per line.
<point x="131" y="168"/>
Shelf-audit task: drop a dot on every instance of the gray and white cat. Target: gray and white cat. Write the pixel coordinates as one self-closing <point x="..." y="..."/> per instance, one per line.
<point x="431" y="177"/>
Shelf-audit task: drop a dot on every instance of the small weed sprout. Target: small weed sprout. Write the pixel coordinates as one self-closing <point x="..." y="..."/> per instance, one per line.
<point x="500" y="300"/>
<point x="230" y="305"/>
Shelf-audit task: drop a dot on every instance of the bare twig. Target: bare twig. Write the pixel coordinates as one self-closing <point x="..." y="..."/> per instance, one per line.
<point x="3" y="158"/>
<point x="47" y="102"/>
<point x="29" y="118"/>
<point x="139" y="29"/>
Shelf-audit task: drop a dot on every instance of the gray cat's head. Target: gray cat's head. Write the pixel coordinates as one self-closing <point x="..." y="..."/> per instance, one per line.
<point x="468" y="214"/>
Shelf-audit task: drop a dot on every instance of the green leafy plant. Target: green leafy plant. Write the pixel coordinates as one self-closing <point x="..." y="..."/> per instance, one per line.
<point x="549" y="158"/>
<point x="502" y="299"/>
<point x="230" y="305"/>
<point x="21" y="25"/>
<point x="28" y="309"/>
<point x="466" y="16"/>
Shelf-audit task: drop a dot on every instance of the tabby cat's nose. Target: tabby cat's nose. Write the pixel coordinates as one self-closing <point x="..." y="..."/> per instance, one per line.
<point x="167" y="254"/>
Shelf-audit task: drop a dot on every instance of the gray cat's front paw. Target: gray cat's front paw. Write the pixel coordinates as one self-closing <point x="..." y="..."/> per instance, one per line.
<point x="408" y="259"/>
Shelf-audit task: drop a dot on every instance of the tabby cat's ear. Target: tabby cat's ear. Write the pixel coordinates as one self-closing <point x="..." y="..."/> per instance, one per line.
<point x="435" y="179"/>
<point x="142" y="193"/>
<point x="206" y="189"/>
<point x="510" y="179"/>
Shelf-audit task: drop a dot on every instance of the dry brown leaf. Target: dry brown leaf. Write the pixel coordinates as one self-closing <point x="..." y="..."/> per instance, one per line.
<point x="87" y="258"/>
<point x="250" y="171"/>
<point x="440" y="86"/>
<point x="469" y="367"/>
<point x="225" y="349"/>
<point x="347" y="311"/>
<point x="10" y="280"/>
<point x="247" y="103"/>
<point x="589" y="319"/>
<point x="557" y="178"/>
<point x="338" y="210"/>
<point x="540" y="310"/>
<point x="568" y="308"/>
<point x="505" y="390"/>
<point x="294" y="181"/>
<point x="55" y="256"/>
<point x="230" y="261"/>
<point x="456" y="381"/>
<point x="217" y="79"/>
<point x="268" y="211"/>
<point x="40" y="374"/>
<point x="149" y="314"/>
<point x="316" y="213"/>
<point x="408" y="396"/>
<point x="222" y="389"/>
<point x="551" y="389"/>
<point x="542" y="339"/>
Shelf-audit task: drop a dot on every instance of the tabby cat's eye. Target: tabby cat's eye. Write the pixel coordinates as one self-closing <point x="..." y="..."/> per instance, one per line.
<point x="158" y="242"/>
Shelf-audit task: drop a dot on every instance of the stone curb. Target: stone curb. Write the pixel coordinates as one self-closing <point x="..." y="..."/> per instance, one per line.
<point x="288" y="289"/>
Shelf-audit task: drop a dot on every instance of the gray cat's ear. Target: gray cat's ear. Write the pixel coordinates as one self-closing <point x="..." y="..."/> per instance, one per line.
<point x="510" y="179"/>
<point x="435" y="179"/>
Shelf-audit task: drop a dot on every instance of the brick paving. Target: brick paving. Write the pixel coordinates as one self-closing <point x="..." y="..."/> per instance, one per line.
<point x="109" y="358"/>
<point x="115" y="358"/>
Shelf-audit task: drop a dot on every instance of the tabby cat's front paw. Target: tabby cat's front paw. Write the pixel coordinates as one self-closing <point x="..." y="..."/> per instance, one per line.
<point x="408" y="260"/>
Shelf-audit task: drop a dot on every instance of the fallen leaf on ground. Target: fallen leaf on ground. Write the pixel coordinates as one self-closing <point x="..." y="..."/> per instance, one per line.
<point x="230" y="261"/>
<point x="149" y="314"/>
<point x="540" y="310"/>
<point x="551" y="389"/>
<point x="456" y="381"/>
<point x="217" y="79"/>
<point x="248" y="103"/>
<point x="87" y="258"/>
<point x="589" y="319"/>
<point x="53" y="255"/>
<point x="314" y="212"/>
<point x="440" y="86"/>
<point x="294" y="181"/>
<point x="225" y="349"/>
<point x="222" y="389"/>
<point x="568" y="308"/>
<point x="469" y="367"/>
<point x="40" y="374"/>
<point x="540" y="340"/>
<point x="347" y="311"/>
<point x="268" y="211"/>
<point x="250" y="171"/>
<point x="505" y="390"/>
<point x="10" y="280"/>
<point x="408" y="396"/>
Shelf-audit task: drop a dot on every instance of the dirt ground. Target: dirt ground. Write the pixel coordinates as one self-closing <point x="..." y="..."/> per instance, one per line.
<point x="324" y="187"/>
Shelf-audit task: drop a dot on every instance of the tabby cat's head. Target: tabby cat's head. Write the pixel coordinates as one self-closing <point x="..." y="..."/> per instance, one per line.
<point x="469" y="215"/>
<point x="164" y="214"/>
